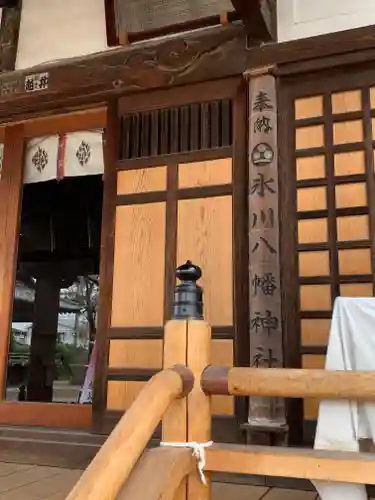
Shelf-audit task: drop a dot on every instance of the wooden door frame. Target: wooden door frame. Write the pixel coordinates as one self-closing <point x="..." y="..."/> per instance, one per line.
<point x="14" y="136"/>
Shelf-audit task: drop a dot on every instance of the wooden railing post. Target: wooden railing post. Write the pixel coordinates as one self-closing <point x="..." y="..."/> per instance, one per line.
<point x="107" y="473"/>
<point x="187" y="340"/>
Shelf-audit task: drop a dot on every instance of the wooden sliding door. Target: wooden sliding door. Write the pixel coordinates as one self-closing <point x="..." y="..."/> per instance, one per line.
<point x="179" y="194"/>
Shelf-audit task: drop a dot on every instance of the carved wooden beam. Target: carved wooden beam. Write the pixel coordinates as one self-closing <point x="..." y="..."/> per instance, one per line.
<point x="193" y="57"/>
<point x="9" y="31"/>
<point x="257" y="16"/>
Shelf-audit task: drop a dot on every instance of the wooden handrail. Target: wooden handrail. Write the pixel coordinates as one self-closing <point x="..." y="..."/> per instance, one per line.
<point x="158" y="474"/>
<point x="107" y="473"/>
<point x="289" y="383"/>
<point x="348" y="467"/>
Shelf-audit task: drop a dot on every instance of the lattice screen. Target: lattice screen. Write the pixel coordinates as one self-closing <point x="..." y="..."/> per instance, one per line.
<point x="334" y="160"/>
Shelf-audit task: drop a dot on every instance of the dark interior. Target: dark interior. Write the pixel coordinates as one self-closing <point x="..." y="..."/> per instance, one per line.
<point x="59" y="242"/>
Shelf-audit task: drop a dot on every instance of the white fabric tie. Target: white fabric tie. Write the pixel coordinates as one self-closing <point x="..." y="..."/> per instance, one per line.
<point x="198" y="453"/>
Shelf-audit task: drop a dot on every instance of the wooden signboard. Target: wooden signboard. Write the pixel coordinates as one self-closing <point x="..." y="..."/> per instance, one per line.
<point x="266" y="336"/>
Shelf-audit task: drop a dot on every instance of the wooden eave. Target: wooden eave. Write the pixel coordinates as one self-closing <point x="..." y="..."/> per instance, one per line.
<point x="193" y="57"/>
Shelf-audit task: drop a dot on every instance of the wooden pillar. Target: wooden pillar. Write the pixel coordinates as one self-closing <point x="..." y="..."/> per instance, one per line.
<point x="187" y="341"/>
<point x="43" y="339"/>
<point x="267" y="421"/>
<point x="9" y="33"/>
<point x="10" y="207"/>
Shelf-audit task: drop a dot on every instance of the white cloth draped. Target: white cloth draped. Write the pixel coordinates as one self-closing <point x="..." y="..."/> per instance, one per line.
<point x="341" y="424"/>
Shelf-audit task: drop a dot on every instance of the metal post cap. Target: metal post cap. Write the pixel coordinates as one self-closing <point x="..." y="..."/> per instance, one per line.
<point x="188" y="297"/>
<point x="189" y="272"/>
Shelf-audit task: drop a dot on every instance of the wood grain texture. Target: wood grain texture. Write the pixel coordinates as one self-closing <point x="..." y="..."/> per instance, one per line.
<point x="148" y="354"/>
<point x="311" y="405"/>
<point x="216" y="52"/>
<point x="88" y="82"/>
<point x="315" y="332"/>
<point x="352" y="163"/>
<point x="308" y="107"/>
<point x="122" y="394"/>
<point x="353" y="228"/>
<point x="347" y="132"/>
<point x="222" y="353"/>
<point x="356" y="290"/>
<point x="314" y="198"/>
<point x="9" y="32"/>
<point x="329" y="260"/>
<point x="175" y="420"/>
<point x="311" y="167"/>
<point x="315" y="298"/>
<point x="56" y="415"/>
<point x="345" y="102"/>
<point x="205" y="237"/>
<point x="205" y="173"/>
<point x="135" y="353"/>
<point x="142" y="180"/>
<point x="314" y="264"/>
<point x="88" y="119"/>
<point x="292" y="462"/>
<point x="312" y="381"/>
<point x="309" y="137"/>
<point x="107" y="244"/>
<point x="158" y="475"/>
<point x="351" y="195"/>
<point x="312" y="230"/>
<point x="199" y="404"/>
<point x="106" y="474"/>
<point x="138" y="277"/>
<point x="10" y="207"/>
<point x="355" y="261"/>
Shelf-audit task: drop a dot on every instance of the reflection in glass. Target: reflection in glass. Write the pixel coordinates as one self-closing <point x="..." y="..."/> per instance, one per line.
<point x="52" y="338"/>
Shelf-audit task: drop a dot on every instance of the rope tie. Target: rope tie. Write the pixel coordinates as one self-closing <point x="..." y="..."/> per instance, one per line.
<point x="198" y="450"/>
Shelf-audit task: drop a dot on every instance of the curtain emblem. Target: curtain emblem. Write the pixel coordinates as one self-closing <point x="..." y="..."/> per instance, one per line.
<point x="40" y="159"/>
<point x="83" y="153"/>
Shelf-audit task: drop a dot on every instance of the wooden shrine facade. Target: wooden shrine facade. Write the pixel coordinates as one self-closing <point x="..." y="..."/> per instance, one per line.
<point x="176" y="186"/>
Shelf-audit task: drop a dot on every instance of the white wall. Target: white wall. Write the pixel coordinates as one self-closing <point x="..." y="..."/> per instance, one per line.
<point x="56" y="29"/>
<point x="306" y="18"/>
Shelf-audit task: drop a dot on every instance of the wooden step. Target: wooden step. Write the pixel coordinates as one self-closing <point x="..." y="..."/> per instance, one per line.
<point x="37" y="446"/>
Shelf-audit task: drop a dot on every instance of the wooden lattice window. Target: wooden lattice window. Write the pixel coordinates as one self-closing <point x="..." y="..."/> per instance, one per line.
<point x="334" y="160"/>
<point x="189" y="128"/>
